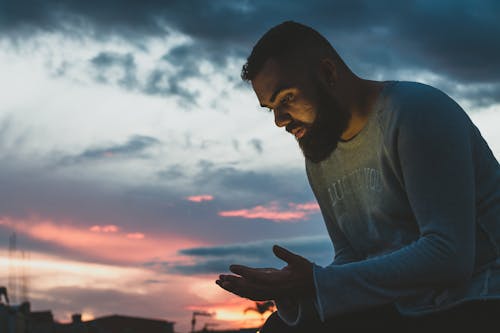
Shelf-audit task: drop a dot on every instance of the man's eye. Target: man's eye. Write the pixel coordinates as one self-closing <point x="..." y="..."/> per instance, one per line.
<point x="286" y="99"/>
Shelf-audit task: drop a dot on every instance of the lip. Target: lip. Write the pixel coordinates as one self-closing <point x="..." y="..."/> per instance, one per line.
<point x="299" y="132"/>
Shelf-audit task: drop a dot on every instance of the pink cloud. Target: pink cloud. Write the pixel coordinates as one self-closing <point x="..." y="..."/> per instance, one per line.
<point x="135" y="235"/>
<point x="308" y="206"/>
<point x="272" y="211"/>
<point x="115" y="246"/>
<point x="200" y="198"/>
<point x="104" y="228"/>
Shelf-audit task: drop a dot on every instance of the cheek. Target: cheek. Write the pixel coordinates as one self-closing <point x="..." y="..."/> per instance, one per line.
<point x="305" y="113"/>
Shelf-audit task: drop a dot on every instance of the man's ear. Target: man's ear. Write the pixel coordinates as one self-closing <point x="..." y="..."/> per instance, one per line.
<point x="328" y="72"/>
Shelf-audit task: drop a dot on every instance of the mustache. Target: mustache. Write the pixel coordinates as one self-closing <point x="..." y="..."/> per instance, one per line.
<point x="293" y="125"/>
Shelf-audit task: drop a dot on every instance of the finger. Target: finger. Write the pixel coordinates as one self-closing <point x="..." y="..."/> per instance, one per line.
<point x="238" y="269"/>
<point x="224" y="283"/>
<point x="229" y="278"/>
<point x="285" y="254"/>
<point x="261" y="275"/>
<point x="244" y="288"/>
<point x="244" y="271"/>
<point x="249" y="272"/>
<point x="228" y="281"/>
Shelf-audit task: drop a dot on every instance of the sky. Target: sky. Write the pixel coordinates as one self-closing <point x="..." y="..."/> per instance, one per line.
<point x="135" y="165"/>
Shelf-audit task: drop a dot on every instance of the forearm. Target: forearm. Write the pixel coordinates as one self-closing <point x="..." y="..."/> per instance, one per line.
<point x="418" y="267"/>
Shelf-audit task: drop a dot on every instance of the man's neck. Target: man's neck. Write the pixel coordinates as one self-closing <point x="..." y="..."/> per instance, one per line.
<point x="361" y="102"/>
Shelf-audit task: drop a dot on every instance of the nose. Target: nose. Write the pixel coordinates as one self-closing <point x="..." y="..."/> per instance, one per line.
<point x="281" y="118"/>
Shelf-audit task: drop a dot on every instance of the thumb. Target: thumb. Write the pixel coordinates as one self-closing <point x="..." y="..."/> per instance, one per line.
<point x="285" y="254"/>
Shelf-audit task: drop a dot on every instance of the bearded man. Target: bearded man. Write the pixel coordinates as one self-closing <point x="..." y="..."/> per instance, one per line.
<point x="408" y="188"/>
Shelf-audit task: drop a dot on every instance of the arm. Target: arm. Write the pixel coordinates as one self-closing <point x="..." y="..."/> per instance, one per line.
<point x="293" y="309"/>
<point x="293" y="305"/>
<point x="434" y="151"/>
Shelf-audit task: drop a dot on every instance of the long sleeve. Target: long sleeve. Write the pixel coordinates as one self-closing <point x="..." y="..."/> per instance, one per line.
<point x="432" y="147"/>
<point x="291" y="310"/>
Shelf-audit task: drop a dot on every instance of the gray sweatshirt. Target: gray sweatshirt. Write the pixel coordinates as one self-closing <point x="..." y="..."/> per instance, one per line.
<point x="412" y="205"/>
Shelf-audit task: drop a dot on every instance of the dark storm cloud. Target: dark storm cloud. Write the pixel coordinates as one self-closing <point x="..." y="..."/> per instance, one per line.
<point x="456" y="40"/>
<point x="216" y="259"/>
<point x="305" y="245"/>
<point x="161" y="83"/>
<point x="209" y="266"/>
<point x="106" y="61"/>
<point x="121" y="69"/>
<point x="134" y="147"/>
<point x="479" y="95"/>
<point x="482" y="95"/>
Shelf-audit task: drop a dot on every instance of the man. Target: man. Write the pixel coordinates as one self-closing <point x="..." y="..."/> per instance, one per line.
<point x="408" y="188"/>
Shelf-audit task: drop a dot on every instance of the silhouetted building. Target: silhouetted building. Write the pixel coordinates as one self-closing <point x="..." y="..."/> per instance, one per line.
<point x="122" y="324"/>
<point x="14" y="318"/>
<point x="41" y="322"/>
<point x="20" y="319"/>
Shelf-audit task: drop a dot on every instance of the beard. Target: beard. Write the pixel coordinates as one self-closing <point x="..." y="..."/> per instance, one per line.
<point x="323" y="135"/>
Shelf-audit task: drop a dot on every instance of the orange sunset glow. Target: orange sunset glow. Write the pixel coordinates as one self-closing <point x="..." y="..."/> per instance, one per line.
<point x="106" y="242"/>
<point x="48" y="273"/>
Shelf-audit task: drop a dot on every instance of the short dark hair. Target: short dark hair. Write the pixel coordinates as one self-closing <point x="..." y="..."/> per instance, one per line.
<point x="288" y="39"/>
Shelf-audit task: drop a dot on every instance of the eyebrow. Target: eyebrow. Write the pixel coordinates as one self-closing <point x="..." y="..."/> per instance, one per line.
<point x="275" y="94"/>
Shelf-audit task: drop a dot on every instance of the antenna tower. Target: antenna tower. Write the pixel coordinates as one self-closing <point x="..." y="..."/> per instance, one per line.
<point x="25" y="277"/>
<point x="13" y="268"/>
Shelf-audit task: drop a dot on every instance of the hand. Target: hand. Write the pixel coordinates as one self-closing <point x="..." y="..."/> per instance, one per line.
<point x="259" y="284"/>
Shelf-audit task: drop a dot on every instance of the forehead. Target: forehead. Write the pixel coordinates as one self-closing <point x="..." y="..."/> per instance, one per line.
<point x="273" y="77"/>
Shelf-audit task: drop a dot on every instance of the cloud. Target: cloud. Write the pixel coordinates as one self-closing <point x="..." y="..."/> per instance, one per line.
<point x="100" y="244"/>
<point x="257" y="145"/>
<point x="455" y="37"/>
<point x="273" y="212"/>
<point x="156" y="207"/>
<point x="216" y="259"/>
<point x="255" y="186"/>
<point x="134" y="147"/>
<point x="233" y="184"/>
<point x="162" y="83"/>
<point x="168" y="75"/>
<point x="200" y="198"/>
<point x="104" y="228"/>
<point x="136" y="235"/>
<point x="116" y="68"/>
<point x="450" y="38"/>
<point x="10" y="137"/>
